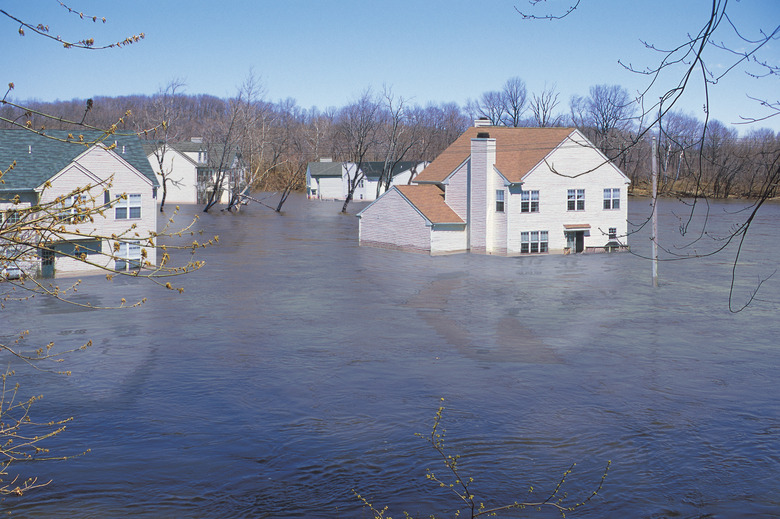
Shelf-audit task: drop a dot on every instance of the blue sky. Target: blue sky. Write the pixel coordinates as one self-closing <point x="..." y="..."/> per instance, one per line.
<point x="325" y="54"/>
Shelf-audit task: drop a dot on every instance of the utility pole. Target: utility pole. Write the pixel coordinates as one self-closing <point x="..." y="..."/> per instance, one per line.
<point x="654" y="237"/>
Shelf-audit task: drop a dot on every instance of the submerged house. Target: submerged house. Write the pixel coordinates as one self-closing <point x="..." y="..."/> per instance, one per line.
<point x="500" y="190"/>
<point x="46" y="171"/>
<point x="328" y="180"/>
<point x="191" y="169"/>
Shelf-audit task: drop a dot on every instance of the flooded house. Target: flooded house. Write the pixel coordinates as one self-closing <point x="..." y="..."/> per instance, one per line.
<point x="191" y="167"/>
<point x="46" y="172"/>
<point x="501" y="190"/>
<point x="328" y="180"/>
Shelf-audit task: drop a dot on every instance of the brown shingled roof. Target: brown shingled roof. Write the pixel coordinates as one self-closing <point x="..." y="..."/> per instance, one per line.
<point x="518" y="150"/>
<point x="429" y="200"/>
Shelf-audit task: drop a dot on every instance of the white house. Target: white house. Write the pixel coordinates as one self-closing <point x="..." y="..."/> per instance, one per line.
<point x="500" y="190"/>
<point x="328" y="180"/>
<point x="50" y="168"/>
<point x="190" y="167"/>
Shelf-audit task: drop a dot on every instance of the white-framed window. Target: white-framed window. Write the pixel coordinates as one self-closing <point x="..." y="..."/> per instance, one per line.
<point x="532" y="242"/>
<point x="499" y="200"/>
<point x="128" y="256"/>
<point x="12" y="217"/>
<point x="128" y="208"/>
<point x="69" y="209"/>
<point x="529" y="202"/>
<point x="575" y="199"/>
<point x="612" y="198"/>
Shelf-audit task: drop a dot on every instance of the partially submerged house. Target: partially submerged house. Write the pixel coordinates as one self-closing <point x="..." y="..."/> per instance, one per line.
<point x="191" y="169"/>
<point x="328" y="180"/>
<point x="50" y="168"/>
<point x="501" y="190"/>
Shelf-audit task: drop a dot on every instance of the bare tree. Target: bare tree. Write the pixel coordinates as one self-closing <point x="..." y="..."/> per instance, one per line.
<point x="163" y="114"/>
<point x="702" y="55"/>
<point x="605" y="113"/>
<point x="399" y="137"/>
<point x="227" y="142"/>
<point x="357" y="129"/>
<point x="489" y="106"/>
<point x="514" y="97"/>
<point x="501" y="107"/>
<point x="32" y="228"/>
<point x="543" y="107"/>
<point x="440" y="125"/>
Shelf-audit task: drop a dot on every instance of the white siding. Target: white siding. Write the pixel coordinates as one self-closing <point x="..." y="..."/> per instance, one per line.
<point x="483" y="158"/>
<point x="445" y="240"/>
<point x="404" y="177"/>
<point x="335" y="188"/>
<point x="456" y="193"/>
<point x="94" y="165"/>
<point x="392" y="222"/>
<point x="563" y="171"/>
<point x="330" y="188"/>
<point x="182" y="187"/>
<point x="497" y="221"/>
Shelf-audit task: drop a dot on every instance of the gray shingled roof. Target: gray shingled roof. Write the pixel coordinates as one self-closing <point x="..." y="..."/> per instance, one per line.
<point x="38" y="158"/>
<point x="371" y="169"/>
<point x="325" y="169"/>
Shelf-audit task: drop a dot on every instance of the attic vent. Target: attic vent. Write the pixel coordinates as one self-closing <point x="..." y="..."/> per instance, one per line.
<point x="483" y="135"/>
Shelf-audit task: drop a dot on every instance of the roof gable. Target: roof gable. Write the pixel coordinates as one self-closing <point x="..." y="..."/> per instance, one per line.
<point x="590" y="158"/>
<point x="518" y="150"/>
<point x="38" y="157"/>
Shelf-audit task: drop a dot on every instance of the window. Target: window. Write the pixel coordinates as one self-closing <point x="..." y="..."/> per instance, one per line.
<point x="613" y="233"/>
<point x="533" y="242"/>
<point x="128" y="256"/>
<point x="499" y="200"/>
<point x="611" y="198"/>
<point x="575" y="200"/>
<point x="129" y="207"/>
<point x="529" y="202"/>
<point x="12" y="217"/>
<point x="69" y="209"/>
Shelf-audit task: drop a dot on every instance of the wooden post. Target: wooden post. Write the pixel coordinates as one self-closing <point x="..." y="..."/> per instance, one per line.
<point x="654" y="236"/>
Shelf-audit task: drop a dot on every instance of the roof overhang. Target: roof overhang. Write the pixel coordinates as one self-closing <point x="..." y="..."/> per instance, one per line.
<point x="576" y="226"/>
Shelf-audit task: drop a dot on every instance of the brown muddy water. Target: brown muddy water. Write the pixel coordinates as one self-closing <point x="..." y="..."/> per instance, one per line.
<point x="297" y="366"/>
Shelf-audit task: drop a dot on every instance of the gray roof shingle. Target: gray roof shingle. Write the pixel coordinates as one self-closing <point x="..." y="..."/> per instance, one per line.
<point x="38" y="158"/>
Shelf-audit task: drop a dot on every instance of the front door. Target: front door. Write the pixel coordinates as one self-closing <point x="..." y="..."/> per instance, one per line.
<point x="575" y="241"/>
<point x="47" y="263"/>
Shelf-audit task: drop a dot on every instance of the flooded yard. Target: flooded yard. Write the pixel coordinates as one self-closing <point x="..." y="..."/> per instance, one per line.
<point x="297" y="366"/>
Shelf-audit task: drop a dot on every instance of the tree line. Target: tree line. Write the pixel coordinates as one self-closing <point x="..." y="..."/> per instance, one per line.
<point x="278" y="139"/>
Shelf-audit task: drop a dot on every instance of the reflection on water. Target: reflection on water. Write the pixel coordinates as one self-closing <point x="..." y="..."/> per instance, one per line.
<point x="297" y="366"/>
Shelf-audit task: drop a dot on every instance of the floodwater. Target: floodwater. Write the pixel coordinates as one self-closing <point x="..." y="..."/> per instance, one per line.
<point x="297" y="366"/>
